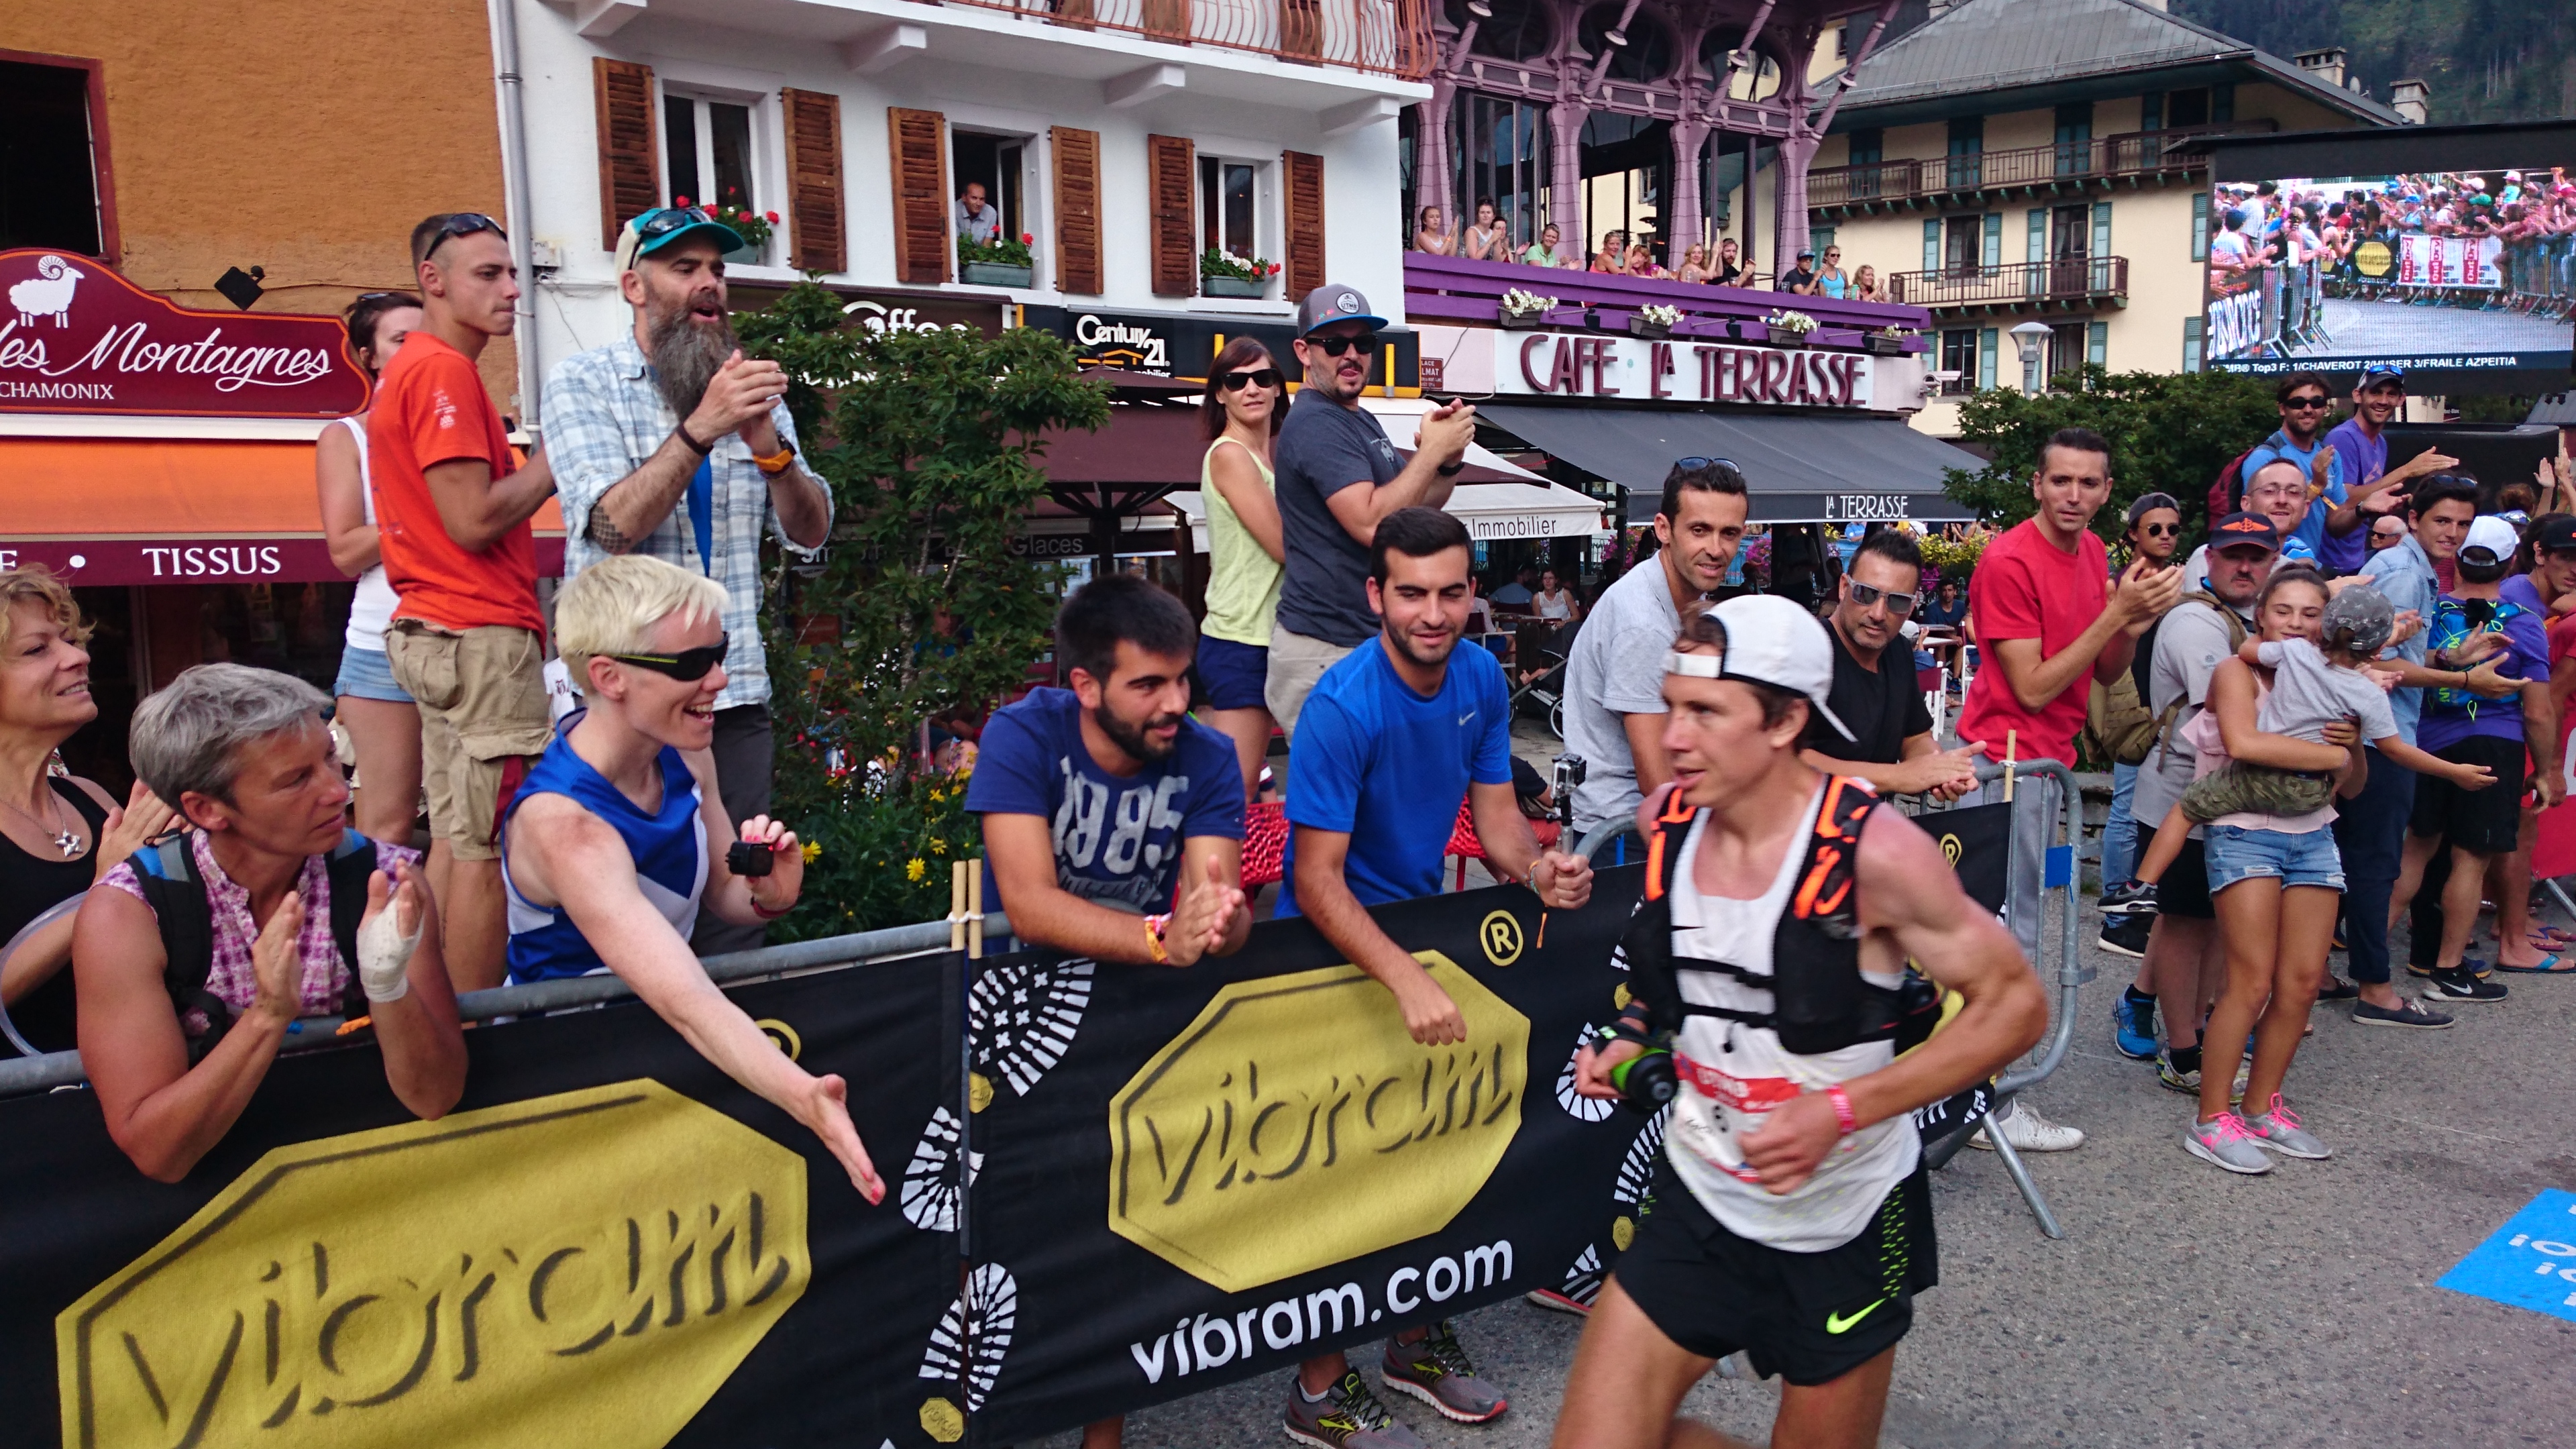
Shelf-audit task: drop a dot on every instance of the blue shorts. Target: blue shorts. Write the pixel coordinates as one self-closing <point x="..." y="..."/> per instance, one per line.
<point x="1231" y="674"/>
<point x="2308" y="858"/>
<point x="364" y="674"/>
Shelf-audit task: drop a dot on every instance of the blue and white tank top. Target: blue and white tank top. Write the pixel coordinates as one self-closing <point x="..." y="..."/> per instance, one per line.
<point x="669" y="846"/>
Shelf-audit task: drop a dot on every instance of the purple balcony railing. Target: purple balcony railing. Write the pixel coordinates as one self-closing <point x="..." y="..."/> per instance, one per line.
<point x="1457" y="291"/>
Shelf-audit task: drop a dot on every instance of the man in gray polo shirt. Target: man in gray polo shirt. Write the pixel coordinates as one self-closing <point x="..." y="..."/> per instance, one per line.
<point x="1614" y="679"/>
<point x="1337" y="475"/>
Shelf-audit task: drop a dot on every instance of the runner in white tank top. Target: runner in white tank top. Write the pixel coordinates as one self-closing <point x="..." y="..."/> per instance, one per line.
<point x="1794" y="1223"/>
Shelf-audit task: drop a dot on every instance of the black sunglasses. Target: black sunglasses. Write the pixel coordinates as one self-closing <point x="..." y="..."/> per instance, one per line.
<point x="1258" y="377"/>
<point x="1707" y="463"/>
<point x="463" y="223"/>
<point x="2160" y="530"/>
<point x="1335" y="344"/>
<point x="2307" y="404"/>
<point x="688" y="666"/>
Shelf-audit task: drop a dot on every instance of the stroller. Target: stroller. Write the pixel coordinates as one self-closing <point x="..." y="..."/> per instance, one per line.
<point x="1540" y="644"/>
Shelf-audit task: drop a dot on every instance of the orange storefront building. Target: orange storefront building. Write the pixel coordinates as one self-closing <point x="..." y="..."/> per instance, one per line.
<point x="212" y="184"/>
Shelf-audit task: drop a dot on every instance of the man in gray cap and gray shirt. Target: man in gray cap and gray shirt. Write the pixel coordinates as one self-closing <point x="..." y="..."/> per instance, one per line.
<point x="1338" y="474"/>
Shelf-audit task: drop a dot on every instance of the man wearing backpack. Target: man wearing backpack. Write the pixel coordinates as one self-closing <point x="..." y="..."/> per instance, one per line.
<point x="196" y="956"/>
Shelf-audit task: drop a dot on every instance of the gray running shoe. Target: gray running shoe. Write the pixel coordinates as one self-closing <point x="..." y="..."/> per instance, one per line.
<point x="2223" y="1140"/>
<point x="1436" y="1371"/>
<point x="1348" y="1417"/>
<point x="2279" y="1130"/>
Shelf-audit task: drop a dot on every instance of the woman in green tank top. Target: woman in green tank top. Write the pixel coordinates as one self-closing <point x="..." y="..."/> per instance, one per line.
<point x="1244" y="407"/>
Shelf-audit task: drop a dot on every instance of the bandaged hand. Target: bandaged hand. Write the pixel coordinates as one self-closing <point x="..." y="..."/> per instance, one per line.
<point x="384" y="944"/>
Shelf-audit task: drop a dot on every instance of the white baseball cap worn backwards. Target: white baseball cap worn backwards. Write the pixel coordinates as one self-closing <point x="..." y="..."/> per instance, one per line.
<point x="1769" y="640"/>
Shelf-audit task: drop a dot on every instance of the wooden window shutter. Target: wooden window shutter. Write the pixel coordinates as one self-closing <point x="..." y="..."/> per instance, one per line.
<point x="1305" y="222"/>
<point x="1172" y="162"/>
<point x="815" y="217"/>
<point x="1077" y="209"/>
<point x="920" y="141"/>
<point x="630" y="181"/>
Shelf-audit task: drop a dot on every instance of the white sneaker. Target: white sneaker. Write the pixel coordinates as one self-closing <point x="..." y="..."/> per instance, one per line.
<point x="2028" y="1131"/>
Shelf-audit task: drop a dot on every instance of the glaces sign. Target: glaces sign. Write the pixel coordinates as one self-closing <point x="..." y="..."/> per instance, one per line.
<point x="1563" y="364"/>
<point x="75" y="337"/>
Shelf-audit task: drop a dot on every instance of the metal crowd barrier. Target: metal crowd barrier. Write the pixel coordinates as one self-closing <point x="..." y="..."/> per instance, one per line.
<point x="2057" y="870"/>
<point x="768" y="963"/>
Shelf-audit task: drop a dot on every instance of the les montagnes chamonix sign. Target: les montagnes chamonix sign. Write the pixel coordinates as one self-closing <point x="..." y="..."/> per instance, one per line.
<point x="76" y="337"/>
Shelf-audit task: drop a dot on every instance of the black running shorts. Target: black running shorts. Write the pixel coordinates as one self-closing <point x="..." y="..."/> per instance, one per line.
<point x="1808" y="1317"/>
<point x="2488" y="821"/>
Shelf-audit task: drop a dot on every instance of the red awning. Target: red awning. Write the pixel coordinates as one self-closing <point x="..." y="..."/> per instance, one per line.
<point x="107" y="511"/>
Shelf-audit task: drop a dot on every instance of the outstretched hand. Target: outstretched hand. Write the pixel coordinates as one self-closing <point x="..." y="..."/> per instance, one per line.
<point x="826" y="1110"/>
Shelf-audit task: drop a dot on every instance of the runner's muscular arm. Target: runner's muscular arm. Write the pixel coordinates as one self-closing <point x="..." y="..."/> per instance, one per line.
<point x="1909" y="892"/>
<point x="1212" y="904"/>
<point x="1326" y="899"/>
<point x="476" y="509"/>
<point x="566" y="854"/>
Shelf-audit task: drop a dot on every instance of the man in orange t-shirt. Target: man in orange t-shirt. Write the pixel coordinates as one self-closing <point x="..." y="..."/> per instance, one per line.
<point x="467" y="642"/>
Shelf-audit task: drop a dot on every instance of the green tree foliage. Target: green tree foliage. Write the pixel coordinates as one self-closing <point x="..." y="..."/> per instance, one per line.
<point x="2485" y="60"/>
<point x="2169" y="432"/>
<point x="922" y="609"/>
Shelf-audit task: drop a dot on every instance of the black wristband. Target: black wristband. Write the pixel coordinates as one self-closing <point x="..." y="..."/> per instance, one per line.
<point x="1452" y="470"/>
<point x="681" y="430"/>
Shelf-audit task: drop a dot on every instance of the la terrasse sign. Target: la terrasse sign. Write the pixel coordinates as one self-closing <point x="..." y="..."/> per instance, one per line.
<point x="1591" y="365"/>
<point x="76" y="337"/>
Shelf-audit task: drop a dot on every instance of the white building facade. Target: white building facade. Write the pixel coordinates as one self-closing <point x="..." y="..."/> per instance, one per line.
<point x="1125" y="139"/>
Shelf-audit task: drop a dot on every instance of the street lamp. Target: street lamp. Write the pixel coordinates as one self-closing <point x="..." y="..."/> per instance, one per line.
<point x="2028" y="336"/>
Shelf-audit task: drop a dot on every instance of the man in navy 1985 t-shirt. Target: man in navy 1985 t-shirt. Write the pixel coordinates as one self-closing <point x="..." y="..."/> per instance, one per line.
<point x="1113" y="822"/>
<point x="1394" y="737"/>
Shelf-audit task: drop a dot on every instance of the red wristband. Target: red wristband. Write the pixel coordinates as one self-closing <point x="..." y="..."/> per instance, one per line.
<point x="1844" y="1118"/>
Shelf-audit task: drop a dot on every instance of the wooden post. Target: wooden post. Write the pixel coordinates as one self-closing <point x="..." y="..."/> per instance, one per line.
<point x="974" y="870"/>
<point x="957" y="905"/>
<point x="2012" y="741"/>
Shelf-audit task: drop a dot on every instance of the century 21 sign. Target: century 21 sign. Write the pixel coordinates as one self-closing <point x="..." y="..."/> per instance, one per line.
<point x="1564" y="364"/>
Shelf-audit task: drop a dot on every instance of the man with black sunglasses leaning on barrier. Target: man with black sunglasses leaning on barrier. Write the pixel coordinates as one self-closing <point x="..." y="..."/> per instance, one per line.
<point x="673" y="445"/>
<point x="452" y="511"/>
<point x="617" y="841"/>
<point x="1338" y="475"/>
<point x="1890" y="743"/>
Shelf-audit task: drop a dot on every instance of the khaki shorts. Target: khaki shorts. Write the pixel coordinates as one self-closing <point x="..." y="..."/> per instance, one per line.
<point x="1296" y="662"/>
<point x="482" y="696"/>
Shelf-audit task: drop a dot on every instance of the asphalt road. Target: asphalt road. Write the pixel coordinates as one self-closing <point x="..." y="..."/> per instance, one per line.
<point x="2185" y="1307"/>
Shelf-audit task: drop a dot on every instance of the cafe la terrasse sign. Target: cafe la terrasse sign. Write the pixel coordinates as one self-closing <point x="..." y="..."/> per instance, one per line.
<point x="76" y="337"/>
<point x="1681" y="370"/>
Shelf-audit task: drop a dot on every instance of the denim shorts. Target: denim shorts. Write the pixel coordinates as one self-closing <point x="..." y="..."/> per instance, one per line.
<point x="364" y="674"/>
<point x="2308" y="858"/>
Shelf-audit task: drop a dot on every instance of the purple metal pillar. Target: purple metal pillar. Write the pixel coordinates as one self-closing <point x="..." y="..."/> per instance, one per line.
<point x="1432" y="174"/>
<point x="1565" y="190"/>
<point x="1687" y="226"/>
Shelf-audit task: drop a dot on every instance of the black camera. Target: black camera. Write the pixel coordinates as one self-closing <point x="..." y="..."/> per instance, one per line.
<point x="1565" y="780"/>
<point x="745" y="858"/>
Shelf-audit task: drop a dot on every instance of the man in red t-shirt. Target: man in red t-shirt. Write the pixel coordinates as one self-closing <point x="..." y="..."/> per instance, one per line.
<point x="452" y="511"/>
<point x="2048" y="624"/>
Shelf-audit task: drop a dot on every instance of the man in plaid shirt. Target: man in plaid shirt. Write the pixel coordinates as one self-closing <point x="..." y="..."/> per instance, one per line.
<point x="668" y="442"/>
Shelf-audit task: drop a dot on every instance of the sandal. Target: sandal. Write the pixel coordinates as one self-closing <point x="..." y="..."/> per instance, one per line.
<point x="2548" y="966"/>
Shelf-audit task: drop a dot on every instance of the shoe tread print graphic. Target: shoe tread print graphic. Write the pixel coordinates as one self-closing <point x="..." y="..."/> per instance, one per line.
<point x="1576" y="1105"/>
<point x="930" y="1186"/>
<point x="972" y="1337"/>
<point x="1023" y="1018"/>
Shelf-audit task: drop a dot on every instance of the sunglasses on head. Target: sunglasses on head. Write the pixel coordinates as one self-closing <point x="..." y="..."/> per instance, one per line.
<point x="1868" y="595"/>
<point x="1335" y="343"/>
<point x="688" y="666"/>
<point x="1706" y="463"/>
<point x="463" y="223"/>
<point x="668" y="220"/>
<point x="1240" y="379"/>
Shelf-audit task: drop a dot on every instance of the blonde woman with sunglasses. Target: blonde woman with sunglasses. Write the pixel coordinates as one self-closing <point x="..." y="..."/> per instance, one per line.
<point x="1244" y="407"/>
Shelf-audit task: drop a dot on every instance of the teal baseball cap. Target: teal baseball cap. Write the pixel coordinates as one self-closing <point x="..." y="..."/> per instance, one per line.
<point x="665" y="225"/>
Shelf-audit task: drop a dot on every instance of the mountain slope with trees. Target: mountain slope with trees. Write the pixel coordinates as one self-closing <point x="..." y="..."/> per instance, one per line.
<point x="2486" y="60"/>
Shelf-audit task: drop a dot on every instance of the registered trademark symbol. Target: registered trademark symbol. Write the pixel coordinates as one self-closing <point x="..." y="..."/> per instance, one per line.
<point x="783" y="1034"/>
<point x="1501" y="935"/>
